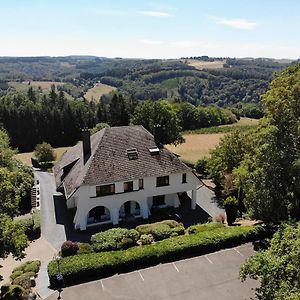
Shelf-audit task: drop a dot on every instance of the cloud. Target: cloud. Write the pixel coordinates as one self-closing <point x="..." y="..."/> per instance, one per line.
<point x="157" y="14"/>
<point x="235" y="23"/>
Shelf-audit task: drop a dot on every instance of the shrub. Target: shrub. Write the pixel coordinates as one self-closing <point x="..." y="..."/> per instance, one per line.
<point x="146" y="239"/>
<point x="111" y="239"/>
<point x="161" y="232"/>
<point x="31" y="225"/>
<point x="44" y="153"/>
<point x="69" y="248"/>
<point x="126" y="243"/>
<point x="201" y="166"/>
<point x="84" y="248"/>
<point x="179" y="230"/>
<point x="204" y="227"/>
<point x="12" y="292"/>
<point x="24" y="280"/>
<point x="231" y="205"/>
<point x="77" y="268"/>
<point x="30" y="266"/>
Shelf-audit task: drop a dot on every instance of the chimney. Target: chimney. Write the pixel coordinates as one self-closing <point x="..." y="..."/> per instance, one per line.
<point x="157" y="134"/>
<point x="86" y="144"/>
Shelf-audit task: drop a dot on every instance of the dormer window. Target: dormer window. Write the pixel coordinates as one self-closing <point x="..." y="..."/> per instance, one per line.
<point x="132" y="154"/>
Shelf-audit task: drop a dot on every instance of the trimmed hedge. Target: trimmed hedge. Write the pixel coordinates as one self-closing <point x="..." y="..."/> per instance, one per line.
<point x="114" y="239"/>
<point x="80" y="268"/>
<point x="30" y="266"/>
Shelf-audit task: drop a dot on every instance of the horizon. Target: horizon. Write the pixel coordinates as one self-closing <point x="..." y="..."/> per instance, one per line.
<point x="150" y="29"/>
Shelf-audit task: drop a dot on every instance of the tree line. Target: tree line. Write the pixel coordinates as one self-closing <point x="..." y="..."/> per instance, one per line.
<point x="35" y="117"/>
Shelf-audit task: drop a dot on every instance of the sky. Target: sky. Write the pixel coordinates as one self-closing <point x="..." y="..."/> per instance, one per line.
<point x="150" y="29"/>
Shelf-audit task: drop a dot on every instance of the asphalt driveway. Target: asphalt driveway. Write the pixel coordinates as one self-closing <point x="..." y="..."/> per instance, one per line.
<point x="213" y="276"/>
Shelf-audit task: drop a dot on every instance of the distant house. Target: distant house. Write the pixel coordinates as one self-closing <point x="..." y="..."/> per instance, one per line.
<point x="120" y="172"/>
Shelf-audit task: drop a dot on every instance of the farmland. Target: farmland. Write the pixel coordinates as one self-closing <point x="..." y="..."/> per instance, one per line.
<point x="23" y="86"/>
<point x="201" y="65"/>
<point x="198" y="145"/>
<point x="26" y="157"/>
<point x="97" y="91"/>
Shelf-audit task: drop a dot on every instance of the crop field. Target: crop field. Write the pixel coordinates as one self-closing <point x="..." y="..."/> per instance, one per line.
<point x="199" y="143"/>
<point x="26" y="157"/>
<point x="196" y="146"/>
<point x="200" y="64"/>
<point x="98" y="90"/>
<point x="23" y="86"/>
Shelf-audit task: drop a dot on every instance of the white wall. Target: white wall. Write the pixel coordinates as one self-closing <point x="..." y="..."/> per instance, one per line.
<point x="87" y="200"/>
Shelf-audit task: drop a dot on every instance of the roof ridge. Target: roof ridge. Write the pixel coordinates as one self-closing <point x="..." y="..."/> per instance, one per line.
<point x="89" y="161"/>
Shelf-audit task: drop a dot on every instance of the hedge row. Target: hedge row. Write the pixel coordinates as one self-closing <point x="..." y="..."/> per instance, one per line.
<point x="86" y="267"/>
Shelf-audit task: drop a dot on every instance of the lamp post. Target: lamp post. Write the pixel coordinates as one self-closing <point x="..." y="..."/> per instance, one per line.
<point x="59" y="277"/>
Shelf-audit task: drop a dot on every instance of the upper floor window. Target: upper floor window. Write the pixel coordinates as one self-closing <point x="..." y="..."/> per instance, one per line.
<point x="141" y="184"/>
<point x="162" y="181"/>
<point x="103" y="190"/>
<point x="184" y="178"/>
<point x="128" y="186"/>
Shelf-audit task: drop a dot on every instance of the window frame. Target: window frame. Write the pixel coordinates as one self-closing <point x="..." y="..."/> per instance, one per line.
<point x="141" y="184"/>
<point x="162" y="181"/>
<point x="100" y="190"/>
<point x="130" y="185"/>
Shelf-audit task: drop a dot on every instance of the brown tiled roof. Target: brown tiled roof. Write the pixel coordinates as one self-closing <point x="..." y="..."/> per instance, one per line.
<point x="109" y="161"/>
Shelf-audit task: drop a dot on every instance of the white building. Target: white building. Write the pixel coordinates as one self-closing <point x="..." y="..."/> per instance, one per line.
<point x="119" y="172"/>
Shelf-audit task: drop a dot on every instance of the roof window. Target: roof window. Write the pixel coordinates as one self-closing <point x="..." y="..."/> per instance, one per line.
<point x="132" y="154"/>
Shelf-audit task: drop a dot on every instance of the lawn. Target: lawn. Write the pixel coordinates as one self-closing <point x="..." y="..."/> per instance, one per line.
<point x="98" y="90"/>
<point x="26" y="157"/>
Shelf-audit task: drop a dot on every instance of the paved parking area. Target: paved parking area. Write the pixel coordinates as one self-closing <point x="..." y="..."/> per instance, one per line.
<point x="212" y="276"/>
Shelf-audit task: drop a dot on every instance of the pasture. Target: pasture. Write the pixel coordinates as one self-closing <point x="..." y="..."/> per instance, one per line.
<point x="200" y="64"/>
<point x="25" y="85"/>
<point x="26" y="157"/>
<point x="97" y="91"/>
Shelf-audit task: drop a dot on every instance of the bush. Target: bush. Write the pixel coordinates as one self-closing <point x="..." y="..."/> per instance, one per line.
<point x="201" y="166"/>
<point x="12" y="292"/>
<point x="24" y="280"/>
<point x="146" y="239"/>
<point x="112" y="239"/>
<point x="161" y="232"/>
<point x="30" y="266"/>
<point x="31" y="225"/>
<point x="80" y="268"/>
<point x="84" y="248"/>
<point x="44" y="153"/>
<point x="126" y="243"/>
<point x="179" y="230"/>
<point x="231" y="205"/>
<point x="204" y="227"/>
<point x="69" y="248"/>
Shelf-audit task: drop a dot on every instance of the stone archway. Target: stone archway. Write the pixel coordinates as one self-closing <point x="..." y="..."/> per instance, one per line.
<point x="130" y="209"/>
<point x="99" y="214"/>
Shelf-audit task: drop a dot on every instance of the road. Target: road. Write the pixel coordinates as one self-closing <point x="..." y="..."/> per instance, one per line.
<point x="212" y="276"/>
<point x="52" y="230"/>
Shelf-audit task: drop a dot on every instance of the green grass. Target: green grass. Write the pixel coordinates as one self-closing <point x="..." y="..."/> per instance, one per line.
<point x="219" y="129"/>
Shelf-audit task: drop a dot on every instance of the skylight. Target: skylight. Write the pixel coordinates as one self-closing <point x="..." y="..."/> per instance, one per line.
<point x="154" y="150"/>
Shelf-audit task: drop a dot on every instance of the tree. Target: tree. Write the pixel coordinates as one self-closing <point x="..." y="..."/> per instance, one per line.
<point x="277" y="268"/>
<point x="44" y="152"/>
<point x="118" y="114"/>
<point x="159" y="113"/>
<point x="98" y="127"/>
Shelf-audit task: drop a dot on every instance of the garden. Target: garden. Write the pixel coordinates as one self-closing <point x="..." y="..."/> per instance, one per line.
<point x="120" y="250"/>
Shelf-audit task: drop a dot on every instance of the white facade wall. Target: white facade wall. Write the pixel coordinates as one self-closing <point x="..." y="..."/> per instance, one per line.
<point x="85" y="197"/>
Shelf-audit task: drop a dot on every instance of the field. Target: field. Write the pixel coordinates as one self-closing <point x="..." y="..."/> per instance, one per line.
<point x="26" y="157"/>
<point x="199" y="143"/>
<point x="200" y="64"/>
<point x="97" y="91"/>
<point x="23" y="86"/>
<point x="196" y="146"/>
